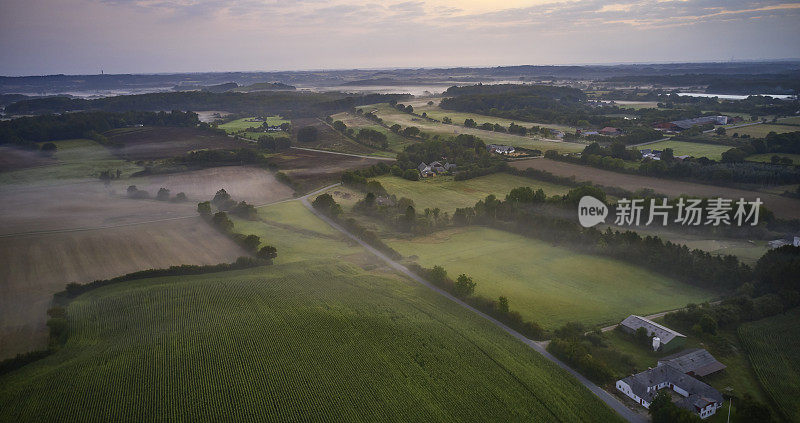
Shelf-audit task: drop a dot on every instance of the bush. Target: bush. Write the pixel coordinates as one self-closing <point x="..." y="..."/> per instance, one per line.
<point x="267" y="252"/>
<point x="327" y="205"/>
<point x="464" y="286"/>
<point x="180" y="197"/>
<point x="411" y="175"/>
<point x="204" y="208"/>
<point x="222" y="221"/>
<point x="163" y="194"/>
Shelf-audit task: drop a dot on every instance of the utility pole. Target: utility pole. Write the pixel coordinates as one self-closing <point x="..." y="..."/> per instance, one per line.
<point x="730" y="405"/>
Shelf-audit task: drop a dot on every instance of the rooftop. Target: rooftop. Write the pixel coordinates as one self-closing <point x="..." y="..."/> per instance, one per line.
<point x="654" y="329"/>
<point x="697" y="361"/>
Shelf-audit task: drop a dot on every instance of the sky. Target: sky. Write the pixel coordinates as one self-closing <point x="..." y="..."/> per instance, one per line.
<point x="40" y="37"/>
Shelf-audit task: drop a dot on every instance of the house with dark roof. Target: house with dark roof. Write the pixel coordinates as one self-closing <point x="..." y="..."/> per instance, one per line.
<point x="697" y="396"/>
<point x="668" y="339"/>
<point x="693" y="362"/>
<point x="425" y="170"/>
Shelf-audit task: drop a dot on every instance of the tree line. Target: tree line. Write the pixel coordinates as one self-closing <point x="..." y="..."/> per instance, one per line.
<point x="30" y="129"/>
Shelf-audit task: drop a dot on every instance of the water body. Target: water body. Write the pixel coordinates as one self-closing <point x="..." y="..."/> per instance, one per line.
<point x="737" y="97"/>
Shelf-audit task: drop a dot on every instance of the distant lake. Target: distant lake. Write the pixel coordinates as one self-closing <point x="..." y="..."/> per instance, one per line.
<point x="736" y="97"/>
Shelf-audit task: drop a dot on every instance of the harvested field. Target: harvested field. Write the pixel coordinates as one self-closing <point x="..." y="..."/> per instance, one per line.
<point x="782" y="206"/>
<point x="311" y="169"/>
<point x="14" y="159"/>
<point x="34" y="267"/>
<point x="150" y="143"/>
<point x="78" y="204"/>
<point x="254" y="185"/>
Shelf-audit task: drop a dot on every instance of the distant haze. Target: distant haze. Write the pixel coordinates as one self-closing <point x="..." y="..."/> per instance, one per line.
<point x="143" y="36"/>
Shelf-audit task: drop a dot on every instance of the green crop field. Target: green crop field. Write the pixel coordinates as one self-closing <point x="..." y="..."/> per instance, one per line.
<point x="774" y="351"/>
<point x="78" y="158"/>
<point x="761" y="130"/>
<point x="448" y="194"/>
<point x="391" y="116"/>
<point x="680" y="148"/>
<point x="242" y="124"/>
<point x="549" y="284"/>
<point x="767" y="157"/>
<point x="312" y="341"/>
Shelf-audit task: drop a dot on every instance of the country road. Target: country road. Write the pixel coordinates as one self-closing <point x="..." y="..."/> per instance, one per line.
<point x="610" y="400"/>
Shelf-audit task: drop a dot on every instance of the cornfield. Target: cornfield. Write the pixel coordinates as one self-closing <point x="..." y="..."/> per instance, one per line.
<point x="774" y="350"/>
<point x="299" y="342"/>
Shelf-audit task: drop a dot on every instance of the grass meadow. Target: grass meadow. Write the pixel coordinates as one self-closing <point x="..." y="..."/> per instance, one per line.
<point x="762" y="129"/>
<point x="772" y="347"/>
<point x="78" y="158"/>
<point x="391" y="116"/>
<point x="242" y="124"/>
<point x="549" y="284"/>
<point x="306" y="341"/>
<point x="448" y="194"/>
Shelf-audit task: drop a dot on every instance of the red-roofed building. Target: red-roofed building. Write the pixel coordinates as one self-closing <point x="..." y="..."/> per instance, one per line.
<point x="608" y="130"/>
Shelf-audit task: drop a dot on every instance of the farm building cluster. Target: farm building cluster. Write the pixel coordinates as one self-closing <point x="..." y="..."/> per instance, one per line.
<point x="684" y="124"/>
<point x="792" y="240"/>
<point x="677" y="372"/>
<point x="435" y="168"/>
<point x="656" y="154"/>
<point x="500" y="149"/>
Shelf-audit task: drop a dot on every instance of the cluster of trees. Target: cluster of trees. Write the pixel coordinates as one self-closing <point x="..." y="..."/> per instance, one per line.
<point x="366" y="136"/>
<point x="372" y="138"/>
<point x="402" y="213"/>
<point x="30" y="129"/>
<point x="328" y="206"/>
<point x="359" y="178"/>
<point x="275" y="144"/>
<point x="697" y="169"/>
<point x="464" y="288"/>
<point x="582" y="352"/>
<point x="773" y="143"/>
<point x="223" y="201"/>
<point x="467" y="151"/>
<point x="308" y="134"/>
<point x="536" y="103"/>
